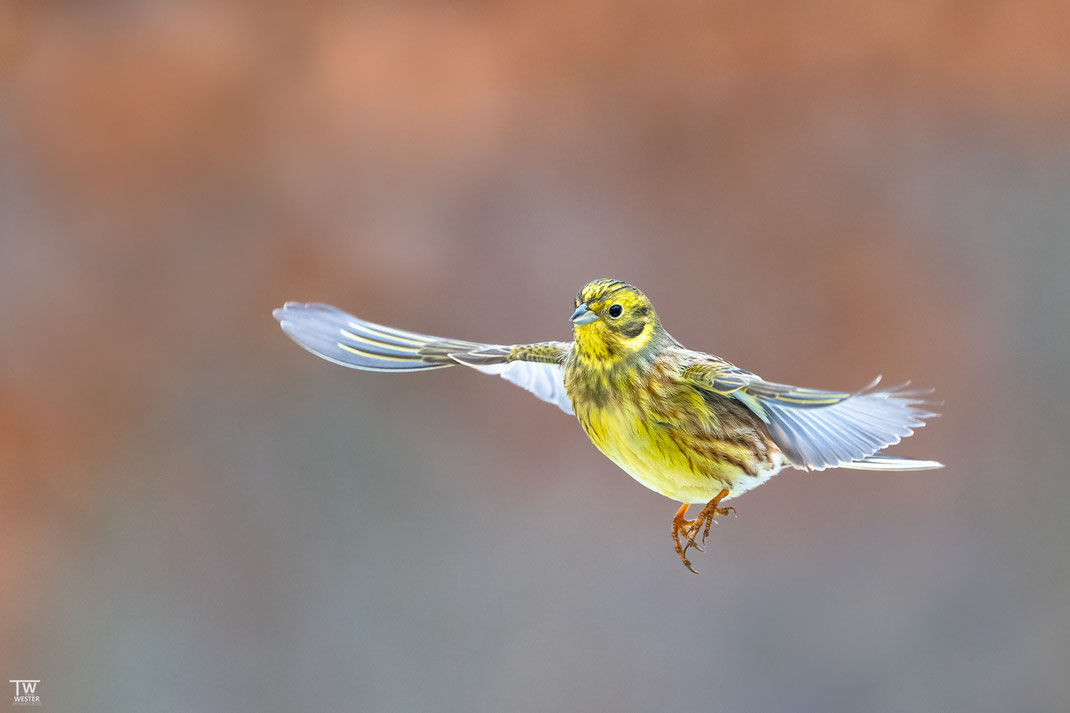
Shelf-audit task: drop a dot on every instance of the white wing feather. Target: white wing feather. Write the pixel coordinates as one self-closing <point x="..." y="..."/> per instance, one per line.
<point x="339" y="337"/>
<point x="546" y="381"/>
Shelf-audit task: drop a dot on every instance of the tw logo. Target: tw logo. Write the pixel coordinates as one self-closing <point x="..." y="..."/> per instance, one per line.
<point x="26" y="693"/>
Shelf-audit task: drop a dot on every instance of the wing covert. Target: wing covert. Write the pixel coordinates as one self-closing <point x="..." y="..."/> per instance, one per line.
<point x="538" y="368"/>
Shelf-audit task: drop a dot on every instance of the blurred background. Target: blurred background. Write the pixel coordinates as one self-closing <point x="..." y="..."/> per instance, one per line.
<point x="196" y="515"/>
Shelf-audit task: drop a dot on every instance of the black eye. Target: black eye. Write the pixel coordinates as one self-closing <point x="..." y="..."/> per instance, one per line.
<point x="616" y="311"/>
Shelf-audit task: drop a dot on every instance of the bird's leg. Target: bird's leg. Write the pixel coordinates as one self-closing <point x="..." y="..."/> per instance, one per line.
<point x="706" y="518"/>
<point x="680" y="525"/>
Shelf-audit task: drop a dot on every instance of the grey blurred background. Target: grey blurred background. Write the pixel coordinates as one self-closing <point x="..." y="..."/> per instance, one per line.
<point x="196" y="515"/>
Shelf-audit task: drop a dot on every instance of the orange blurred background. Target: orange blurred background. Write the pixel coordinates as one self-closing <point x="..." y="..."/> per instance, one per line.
<point x="197" y="515"/>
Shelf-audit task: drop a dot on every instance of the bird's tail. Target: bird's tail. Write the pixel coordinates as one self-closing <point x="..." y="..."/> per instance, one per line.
<point x="880" y="461"/>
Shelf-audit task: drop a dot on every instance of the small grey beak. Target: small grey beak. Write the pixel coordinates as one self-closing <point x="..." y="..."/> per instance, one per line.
<point x="582" y="315"/>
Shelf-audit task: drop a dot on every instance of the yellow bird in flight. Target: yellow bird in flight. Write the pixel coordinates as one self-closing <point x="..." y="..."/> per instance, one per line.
<point x="686" y="424"/>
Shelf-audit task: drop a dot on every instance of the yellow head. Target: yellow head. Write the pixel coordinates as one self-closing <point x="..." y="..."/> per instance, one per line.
<point x="613" y="321"/>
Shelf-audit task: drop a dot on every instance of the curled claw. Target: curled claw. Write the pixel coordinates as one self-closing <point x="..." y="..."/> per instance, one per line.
<point x="680" y="525"/>
<point x="691" y="528"/>
<point x="692" y="536"/>
<point x="710" y="519"/>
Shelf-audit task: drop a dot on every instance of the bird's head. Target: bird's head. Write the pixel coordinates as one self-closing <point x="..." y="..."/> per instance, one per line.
<point x="613" y="320"/>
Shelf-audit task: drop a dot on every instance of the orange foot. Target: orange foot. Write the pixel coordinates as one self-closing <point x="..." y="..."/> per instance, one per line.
<point x="682" y="526"/>
<point x="691" y="528"/>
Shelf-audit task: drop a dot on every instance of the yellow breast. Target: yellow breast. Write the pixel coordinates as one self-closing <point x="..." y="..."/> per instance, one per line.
<point x="669" y="450"/>
<point x="678" y="440"/>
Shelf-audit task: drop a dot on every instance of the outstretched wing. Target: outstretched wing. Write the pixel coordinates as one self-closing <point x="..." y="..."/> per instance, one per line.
<point x="819" y="429"/>
<point x="332" y="334"/>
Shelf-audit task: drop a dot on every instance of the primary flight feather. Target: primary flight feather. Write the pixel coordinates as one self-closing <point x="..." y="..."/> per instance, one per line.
<point x="686" y="424"/>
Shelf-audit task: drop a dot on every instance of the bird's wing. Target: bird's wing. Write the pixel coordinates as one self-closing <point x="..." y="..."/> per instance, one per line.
<point x="332" y="334"/>
<point x="819" y="429"/>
